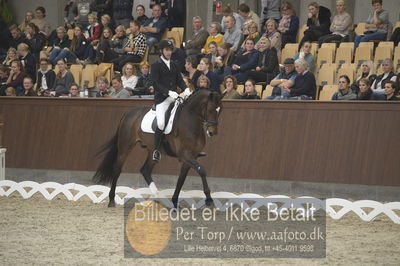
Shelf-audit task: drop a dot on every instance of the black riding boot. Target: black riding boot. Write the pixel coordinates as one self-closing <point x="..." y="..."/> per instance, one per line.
<point x="158" y="135"/>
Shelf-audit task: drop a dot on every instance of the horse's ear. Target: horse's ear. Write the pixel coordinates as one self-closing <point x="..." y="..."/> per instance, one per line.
<point x="213" y="96"/>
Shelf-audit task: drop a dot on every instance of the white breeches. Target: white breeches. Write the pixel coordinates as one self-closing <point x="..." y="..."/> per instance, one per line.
<point x="161" y="108"/>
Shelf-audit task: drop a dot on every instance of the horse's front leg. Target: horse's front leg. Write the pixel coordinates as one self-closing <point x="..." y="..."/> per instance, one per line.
<point x="182" y="177"/>
<point x="203" y="174"/>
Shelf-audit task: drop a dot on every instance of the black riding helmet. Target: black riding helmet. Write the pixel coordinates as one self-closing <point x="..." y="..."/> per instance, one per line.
<point x="165" y="44"/>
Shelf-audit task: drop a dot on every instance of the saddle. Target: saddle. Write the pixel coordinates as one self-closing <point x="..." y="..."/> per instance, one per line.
<point x="149" y="121"/>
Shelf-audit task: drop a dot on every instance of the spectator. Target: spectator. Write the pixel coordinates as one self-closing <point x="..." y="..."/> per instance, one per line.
<point x="129" y="77"/>
<point x="16" y="35"/>
<point x="61" y="42"/>
<point x="198" y="38"/>
<point x="135" y="47"/>
<point x="232" y="35"/>
<point x="318" y="22"/>
<point x="116" y="48"/>
<point x="344" y="92"/>
<point x="144" y="85"/>
<point x="162" y="3"/>
<point x="272" y="33"/>
<point x="388" y="75"/>
<point x="35" y="40"/>
<point x="270" y="10"/>
<point x="28" y="19"/>
<point x="230" y="88"/>
<point x="206" y="67"/>
<point x="10" y="91"/>
<point x="92" y="32"/>
<point x="304" y="86"/>
<point x="122" y="12"/>
<point x="178" y="55"/>
<point x="81" y="9"/>
<point x="285" y="79"/>
<point x="213" y="52"/>
<point x="69" y="15"/>
<point x="224" y="59"/>
<point x="365" y="93"/>
<point x="64" y="79"/>
<point x="140" y="14"/>
<point x="253" y="34"/>
<point x="28" y="87"/>
<point x="248" y="17"/>
<point x="16" y="77"/>
<point x="227" y="11"/>
<point x="27" y="60"/>
<point x="106" y="23"/>
<point x="118" y="91"/>
<point x="243" y="62"/>
<point x="215" y="35"/>
<point x="377" y="24"/>
<point x="74" y="91"/>
<point x="340" y="26"/>
<point x="203" y="83"/>
<point x="289" y="24"/>
<point x="250" y="92"/>
<point x="4" y="73"/>
<point x="45" y="77"/>
<point x="11" y="56"/>
<point x="102" y="87"/>
<point x="40" y="21"/>
<point x="267" y="66"/>
<point x="305" y="53"/>
<point x="368" y="72"/>
<point x="76" y="51"/>
<point x="191" y="68"/>
<point x="154" y="27"/>
<point x="103" y="7"/>
<point x="176" y="10"/>
<point x="390" y="91"/>
<point x="103" y="49"/>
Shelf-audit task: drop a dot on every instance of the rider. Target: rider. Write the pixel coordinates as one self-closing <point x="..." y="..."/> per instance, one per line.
<point x="166" y="78"/>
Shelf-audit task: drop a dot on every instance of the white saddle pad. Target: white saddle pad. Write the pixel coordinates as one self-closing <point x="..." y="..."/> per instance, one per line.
<point x="148" y="120"/>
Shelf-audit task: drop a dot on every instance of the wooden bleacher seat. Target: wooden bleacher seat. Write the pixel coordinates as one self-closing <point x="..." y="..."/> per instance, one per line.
<point x="348" y="44"/>
<point x="300" y="33"/>
<point x="360" y="29"/>
<point x="326" y="76"/>
<point x="287" y="53"/>
<point x="327" y="92"/>
<point x="70" y="34"/>
<point x="368" y="44"/>
<point x="267" y="92"/>
<point x="181" y="31"/>
<point x="348" y="72"/>
<point x="343" y="55"/>
<point x="396" y="25"/>
<point x="382" y="53"/>
<point x="89" y="74"/>
<point x="362" y="54"/>
<point x="314" y="49"/>
<point x="240" y="89"/>
<point x="396" y="57"/>
<point x="292" y="46"/>
<point x="76" y="70"/>
<point x="259" y="89"/>
<point x="174" y="35"/>
<point x="325" y="55"/>
<point x="387" y="45"/>
<point x="329" y="45"/>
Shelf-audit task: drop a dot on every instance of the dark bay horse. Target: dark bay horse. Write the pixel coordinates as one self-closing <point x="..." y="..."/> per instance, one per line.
<point x="185" y="142"/>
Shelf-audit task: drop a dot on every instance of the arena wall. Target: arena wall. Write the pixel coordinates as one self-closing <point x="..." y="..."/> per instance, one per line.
<point x="328" y="142"/>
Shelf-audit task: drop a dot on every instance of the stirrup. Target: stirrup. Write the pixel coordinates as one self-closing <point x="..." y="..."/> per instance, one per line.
<point x="156" y="155"/>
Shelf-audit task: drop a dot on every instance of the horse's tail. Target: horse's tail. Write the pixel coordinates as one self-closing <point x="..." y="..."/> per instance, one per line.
<point x="106" y="171"/>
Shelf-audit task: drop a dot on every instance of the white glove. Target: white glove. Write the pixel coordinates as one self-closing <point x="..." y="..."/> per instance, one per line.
<point x="173" y="94"/>
<point x="186" y="93"/>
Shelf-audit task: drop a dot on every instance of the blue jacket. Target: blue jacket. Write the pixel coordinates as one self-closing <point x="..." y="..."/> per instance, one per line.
<point x="161" y="25"/>
<point x="251" y="62"/>
<point x="214" y="81"/>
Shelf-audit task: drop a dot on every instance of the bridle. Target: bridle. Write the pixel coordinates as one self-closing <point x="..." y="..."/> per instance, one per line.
<point x="207" y="121"/>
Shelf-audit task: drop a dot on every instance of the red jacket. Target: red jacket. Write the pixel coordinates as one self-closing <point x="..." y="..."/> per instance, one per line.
<point x="93" y="32"/>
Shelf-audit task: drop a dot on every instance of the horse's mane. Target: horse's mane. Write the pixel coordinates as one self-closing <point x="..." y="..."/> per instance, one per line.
<point x="196" y="95"/>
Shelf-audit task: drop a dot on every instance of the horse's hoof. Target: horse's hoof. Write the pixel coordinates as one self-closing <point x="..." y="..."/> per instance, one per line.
<point x="111" y="204"/>
<point x="209" y="202"/>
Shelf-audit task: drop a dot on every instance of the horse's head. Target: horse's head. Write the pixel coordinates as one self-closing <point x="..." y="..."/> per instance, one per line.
<point x="212" y="110"/>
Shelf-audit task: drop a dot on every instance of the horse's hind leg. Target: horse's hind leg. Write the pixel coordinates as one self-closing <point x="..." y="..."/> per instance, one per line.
<point x="182" y="177"/>
<point x="117" y="171"/>
<point x="146" y="171"/>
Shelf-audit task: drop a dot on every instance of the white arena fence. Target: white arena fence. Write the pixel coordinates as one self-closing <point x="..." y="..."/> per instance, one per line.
<point x="98" y="193"/>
